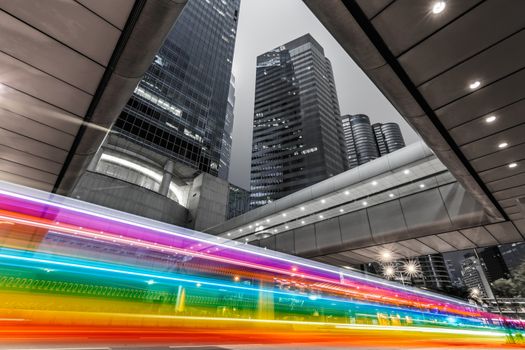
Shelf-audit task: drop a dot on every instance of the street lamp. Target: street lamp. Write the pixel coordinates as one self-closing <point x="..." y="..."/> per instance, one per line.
<point x="406" y="270"/>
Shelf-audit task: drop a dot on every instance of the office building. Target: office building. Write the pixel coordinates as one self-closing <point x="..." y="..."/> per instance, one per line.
<point x="474" y="277"/>
<point x="359" y="140"/>
<point x="365" y="142"/>
<point x="388" y="137"/>
<point x="180" y="108"/>
<point x="513" y="255"/>
<point x="493" y="263"/>
<point x="434" y="272"/>
<point x="238" y="201"/>
<point x="176" y="128"/>
<point x="297" y="133"/>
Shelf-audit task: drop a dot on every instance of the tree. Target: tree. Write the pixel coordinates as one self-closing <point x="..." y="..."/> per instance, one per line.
<point x="504" y="288"/>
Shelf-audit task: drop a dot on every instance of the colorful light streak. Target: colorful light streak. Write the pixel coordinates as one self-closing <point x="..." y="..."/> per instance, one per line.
<point x="66" y="263"/>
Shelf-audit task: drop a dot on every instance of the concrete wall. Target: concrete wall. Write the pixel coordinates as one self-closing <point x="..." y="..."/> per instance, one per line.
<point x="121" y="195"/>
<point x="207" y="202"/>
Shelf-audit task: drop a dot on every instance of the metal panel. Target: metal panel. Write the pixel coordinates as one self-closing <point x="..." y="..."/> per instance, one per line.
<point x="304" y="238"/>
<point x="284" y="242"/>
<point x="509" y="182"/>
<point x="436" y="243"/>
<point x="462" y="209"/>
<point x="387" y="222"/>
<point x="328" y="233"/>
<point x="501" y="158"/>
<point x="417" y="246"/>
<point x="425" y="209"/>
<point x="355" y="230"/>
<point x="505" y="232"/>
<point x="457" y="240"/>
<point x="480" y="236"/>
<point x="268" y="242"/>
<point x="489" y="144"/>
<point x="501" y="172"/>
<point x="71" y="24"/>
<point x="458" y="41"/>
<point x="115" y="11"/>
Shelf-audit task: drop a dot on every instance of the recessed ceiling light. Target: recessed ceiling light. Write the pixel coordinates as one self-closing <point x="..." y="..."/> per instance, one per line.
<point x="347" y="193"/>
<point x="321" y="217"/>
<point x="490" y="119"/>
<point x="284" y="215"/>
<point x="341" y="210"/>
<point x="374" y="183"/>
<point x="250" y="226"/>
<point x="240" y="230"/>
<point x="302" y="208"/>
<point x="247" y="239"/>
<point x="421" y="185"/>
<point x="267" y="220"/>
<point x="257" y="224"/>
<point x="365" y="203"/>
<point x="513" y="165"/>
<point x="323" y="201"/>
<point x="275" y="231"/>
<point x="406" y="171"/>
<point x="391" y="195"/>
<point x="438" y="7"/>
<point x="302" y="222"/>
<point x="474" y="85"/>
<point x="228" y="234"/>
<point x="503" y="145"/>
<point x="287" y="227"/>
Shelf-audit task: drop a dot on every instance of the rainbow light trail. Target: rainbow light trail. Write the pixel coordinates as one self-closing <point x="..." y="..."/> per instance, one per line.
<point x="69" y="270"/>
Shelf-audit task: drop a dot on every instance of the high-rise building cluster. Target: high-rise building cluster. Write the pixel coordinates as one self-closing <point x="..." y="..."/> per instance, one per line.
<point x="365" y="142"/>
<point x="299" y="137"/>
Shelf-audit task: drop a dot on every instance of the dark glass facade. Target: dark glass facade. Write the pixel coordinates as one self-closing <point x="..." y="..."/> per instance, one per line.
<point x="388" y="137"/>
<point x="238" y="201"/>
<point x="180" y="107"/>
<point x="297" y="134"/>
<point x="226" y="148"/>
<point x="359" y="140"/>
<point x="365" y="142"/>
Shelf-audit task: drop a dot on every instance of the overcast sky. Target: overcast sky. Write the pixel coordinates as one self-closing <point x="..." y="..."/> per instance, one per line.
<point x="267" y="24"/>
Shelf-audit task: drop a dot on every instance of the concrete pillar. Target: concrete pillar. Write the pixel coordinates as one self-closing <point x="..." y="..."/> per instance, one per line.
<point x="94" y="161"/>
<point x="166" y="178"/>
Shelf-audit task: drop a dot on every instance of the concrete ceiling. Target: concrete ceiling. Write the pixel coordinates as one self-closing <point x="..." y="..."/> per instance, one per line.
<point x="427" y="64"/>
<point x="66" y="70"/>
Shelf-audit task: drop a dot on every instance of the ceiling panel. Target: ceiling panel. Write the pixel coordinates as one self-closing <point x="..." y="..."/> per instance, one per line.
<point x="24" y="78"/>
<point x="37" y="110"/>
<point x="373" y="7"/>
<point x="70" y="23"/>
<point x="29" y="159"/>
<point x="453" y="84"/>
<point x="27" y="171"/>
<point x="115" y="11"/>
<point x="485" y="100"/>
<point x="417" y="246"/>
<point x="490" y="144"/>
<point x="478" y="128"/>
<point x="436" y="243"/>
<point x="517" y="191"/>
<point x="28" y="145"/>
<point x="457" y="240"/>
<point x="501" y="158"/>
<point x="509" y="182"/>
<point x="480" y="236"/>
<point x="407" y="22"/>
<point x="502" y="172"/>
<point x="21" y="180"/>
<point x="505" y="232"/>
<point x="34" y="130"/>
<point x="458" y="41"/>
<point x="44" y="53"/>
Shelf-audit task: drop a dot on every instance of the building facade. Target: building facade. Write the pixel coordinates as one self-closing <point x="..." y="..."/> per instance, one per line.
<point x="180" y="107"/>
<point x="359" y="138"/>
<point x="474" y="277"/>
<point x="238" y="201"/>
<point x="297" y="133"/>
<point x="365" y="142"/>
<point x="388" y="137"/>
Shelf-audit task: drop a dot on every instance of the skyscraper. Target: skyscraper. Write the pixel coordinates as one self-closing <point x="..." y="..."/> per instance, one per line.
<point x="365" y="142"/>
<point x="388" y="137"/>
<point x="297" y="133"/>
<point x="474" y="276"/>
<point x="359" y="140"/>
<point x="226" y="148"/>
<point x="180" y="107"/>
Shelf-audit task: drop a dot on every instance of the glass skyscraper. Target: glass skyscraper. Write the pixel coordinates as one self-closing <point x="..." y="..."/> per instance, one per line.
<point x="365" y="142"/>
<point x="297" y="134"/>
<point x="180" y="108"/>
